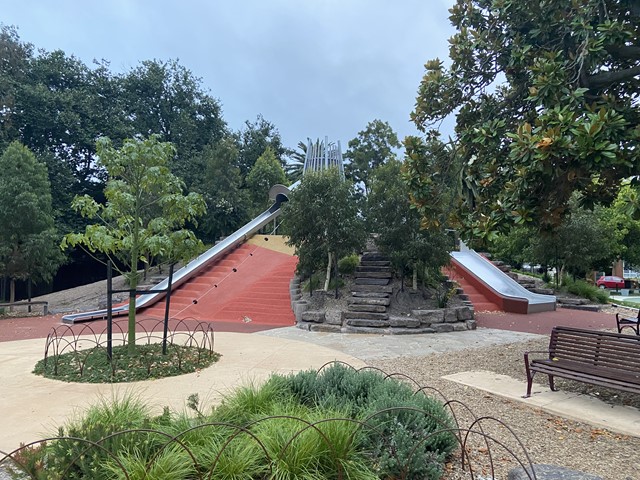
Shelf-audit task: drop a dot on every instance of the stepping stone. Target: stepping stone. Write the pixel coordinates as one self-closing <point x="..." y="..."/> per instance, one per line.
<point x="365" y="316"/>
<point x="375" y="263"/>
<point x="370" y="294"/>
<point x="369" y="301"/>
<point x="549" y="472"/>
<point x="372" y="288"/>
<point x="372" y="281"/>
<point x="372" y="268"/>
<point x="373" y="274"/>
<point x="359" y="322"/>
<point x="368" y="308"/>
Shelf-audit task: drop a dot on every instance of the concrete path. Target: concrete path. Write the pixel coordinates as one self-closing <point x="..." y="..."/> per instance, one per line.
<point x="34" y="406"/>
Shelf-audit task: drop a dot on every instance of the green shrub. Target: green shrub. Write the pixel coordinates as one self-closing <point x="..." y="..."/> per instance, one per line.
<point x="337" y="423"/>
<point x="347" y="265"/>
<point x="394" y="435"/>
<point x="585" y="290"/>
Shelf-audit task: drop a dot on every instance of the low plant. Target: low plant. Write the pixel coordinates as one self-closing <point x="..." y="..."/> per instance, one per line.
<point x="94" y="366"/>
<point x="586" y="290"/>
<point x="333" y="424"/>
<point x="412" y="430"/>
<point x="347" y="265"/>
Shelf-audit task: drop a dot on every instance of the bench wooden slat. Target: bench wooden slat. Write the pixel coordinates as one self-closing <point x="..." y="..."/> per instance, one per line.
<point x="601" y="358"/>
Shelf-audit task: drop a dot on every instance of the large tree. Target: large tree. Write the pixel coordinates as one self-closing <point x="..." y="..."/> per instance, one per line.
<point x="253" y="140"/>
<point x="166" y="99"/>
<point x="145" y="211"/>
<point x="373" y="146"/>
<point x="28" y="239"/>
<point x="219" y="184"/>
<point x="545" y="95"/>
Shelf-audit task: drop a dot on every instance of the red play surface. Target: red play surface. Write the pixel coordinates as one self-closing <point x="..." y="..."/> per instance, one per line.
<point x="255" y="297"/>
<point x="247" y="291"/>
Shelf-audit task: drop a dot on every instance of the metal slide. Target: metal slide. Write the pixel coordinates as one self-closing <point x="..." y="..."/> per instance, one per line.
<point x="278" y="193"/>
<point x="496" y="280"/>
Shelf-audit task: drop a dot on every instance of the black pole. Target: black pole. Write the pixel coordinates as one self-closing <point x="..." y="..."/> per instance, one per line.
<point x="109" y="312"/>
<point x="29" y="293"/>
<point x="166" y="311"/>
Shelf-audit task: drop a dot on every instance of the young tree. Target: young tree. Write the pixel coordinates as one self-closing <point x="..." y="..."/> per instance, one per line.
<point x="371" y="148"/>
<point x="28" y="239"/>
<point x="398" y="225"/>
<point x="322" y="220"/>
<point x="265" y="173"/>
<point x="145" y="211"/>
<point x="545" y="97"/>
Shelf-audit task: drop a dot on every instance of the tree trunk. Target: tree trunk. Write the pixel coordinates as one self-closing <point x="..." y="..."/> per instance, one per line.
<point x="335" y="272"/>
<point x="328" y="277"/>
<point x="414" y="284"/>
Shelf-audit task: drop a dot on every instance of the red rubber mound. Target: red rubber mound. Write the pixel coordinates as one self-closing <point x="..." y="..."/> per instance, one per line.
<point x="479" y="300"/>
<point x="249" y="288"/>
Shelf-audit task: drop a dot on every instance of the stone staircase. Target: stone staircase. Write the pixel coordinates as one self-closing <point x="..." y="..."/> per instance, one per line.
<point x="370" y="295"/>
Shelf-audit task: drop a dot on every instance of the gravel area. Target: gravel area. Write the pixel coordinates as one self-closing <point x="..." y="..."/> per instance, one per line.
<point x="547" y="438"/>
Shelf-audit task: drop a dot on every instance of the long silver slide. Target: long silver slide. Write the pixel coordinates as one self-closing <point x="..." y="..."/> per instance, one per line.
<point x="278" y="193"/>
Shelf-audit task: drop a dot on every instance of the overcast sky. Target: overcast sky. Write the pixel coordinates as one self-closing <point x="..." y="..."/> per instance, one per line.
<point x="311" y="67"/>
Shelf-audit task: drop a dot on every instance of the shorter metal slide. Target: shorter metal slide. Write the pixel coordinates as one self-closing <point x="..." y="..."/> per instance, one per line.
<point x="278" y="194"/>
<point x="499" y="287"/>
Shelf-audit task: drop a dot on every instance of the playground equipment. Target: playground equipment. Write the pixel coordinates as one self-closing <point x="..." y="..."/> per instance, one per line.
<point x="320" y="156"/>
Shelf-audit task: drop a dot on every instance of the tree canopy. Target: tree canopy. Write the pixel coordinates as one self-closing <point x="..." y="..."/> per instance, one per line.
<point x="545" y="95"/>
<point x="400" y="235"/>
<point x="371" y="148"/>
<point x="28" y="239"/>
<point x="145" y="211"/>
<point x="322" y="219"/>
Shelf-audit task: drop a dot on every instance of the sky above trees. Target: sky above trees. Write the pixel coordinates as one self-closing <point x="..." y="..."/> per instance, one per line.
<point x="313" y="68"/>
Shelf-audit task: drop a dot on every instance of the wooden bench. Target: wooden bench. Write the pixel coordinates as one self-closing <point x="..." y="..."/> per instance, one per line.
<point x="590" y="356"/>
<point x="45" y="305"/>
<point x="628" y="322"/>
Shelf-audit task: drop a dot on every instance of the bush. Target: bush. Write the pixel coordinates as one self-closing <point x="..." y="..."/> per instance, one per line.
<point x="348" y="265"/>
<point x="585" y="290"/>
<point x="392" y="437"/>
<point x="337" y="423"/>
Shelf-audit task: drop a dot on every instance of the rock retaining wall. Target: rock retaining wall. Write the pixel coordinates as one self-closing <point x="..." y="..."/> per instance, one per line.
<point x="419" y="321"/>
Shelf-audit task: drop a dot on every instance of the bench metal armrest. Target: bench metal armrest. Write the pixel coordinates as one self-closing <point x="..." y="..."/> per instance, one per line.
<point x="526" y="354"/>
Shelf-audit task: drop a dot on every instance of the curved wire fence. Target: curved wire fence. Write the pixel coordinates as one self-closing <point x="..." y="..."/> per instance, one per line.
<point x="88" y="341"/>
<point x="485" y="446"/>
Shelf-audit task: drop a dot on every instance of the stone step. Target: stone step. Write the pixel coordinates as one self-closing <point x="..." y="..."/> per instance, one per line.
<point x="373" y="268"/>
<point x="358" y="307"/>
<point x="369" y="301"/>
<point x="372" y="288"/>
<point x="364" y="322"/>
<point x="365" y="315"/>
<point x="386" y="274"/>
<point x="375" y="263"/>
<point x="373" y="257"/>
<point x="372" y="281"/>
<point x="542" y="291"/>
<point x="370" y="294"/>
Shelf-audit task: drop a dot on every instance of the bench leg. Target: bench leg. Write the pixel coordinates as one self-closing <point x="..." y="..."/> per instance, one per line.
<point x="552" y="385"/>
<point x="529" y="382"/>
